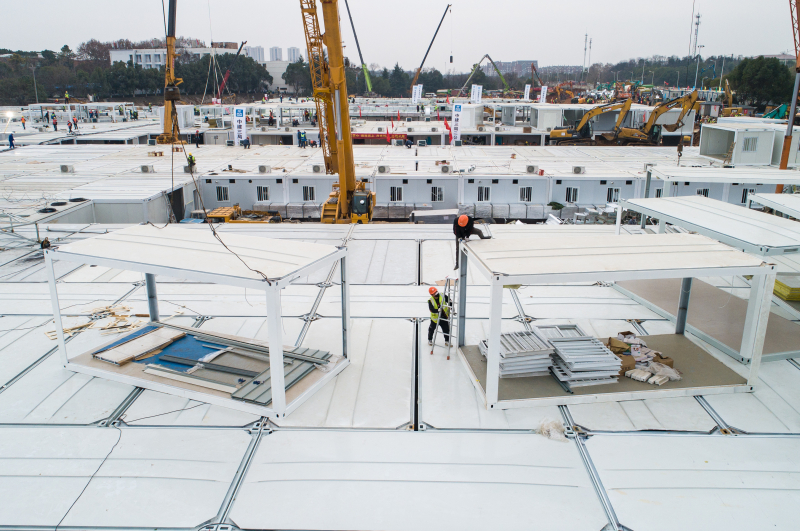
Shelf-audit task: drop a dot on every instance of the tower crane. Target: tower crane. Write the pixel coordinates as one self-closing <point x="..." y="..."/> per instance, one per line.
<point x="364" y="68"/>
<point x="419" y="70"/>
<point x="171" y="91"/>
<point x="350" y="201"/>
<point x="794" y="8"/>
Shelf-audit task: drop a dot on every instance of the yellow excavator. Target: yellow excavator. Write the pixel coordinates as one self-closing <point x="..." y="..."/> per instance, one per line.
<point x="350" y="201"/>
<point x="582" y="133"/>
<point x="650" y="132"/>
<point x="729" y="109"/>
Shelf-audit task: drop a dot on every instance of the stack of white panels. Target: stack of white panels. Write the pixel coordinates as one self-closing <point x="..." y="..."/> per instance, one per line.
<point x="583" y="361"/>
<point x="522" y="354"/>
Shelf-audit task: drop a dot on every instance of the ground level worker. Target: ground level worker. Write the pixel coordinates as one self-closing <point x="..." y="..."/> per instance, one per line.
<point x="55" y="122"/>
<point x="463" y="228"/>
<point x="197" y="139"/>
<point x="11" y="141"/>
<point x="75" y="123"/>
<point x="23" y="122"/>
<point x="436" y="302"/>
<point x="192" y="162"/>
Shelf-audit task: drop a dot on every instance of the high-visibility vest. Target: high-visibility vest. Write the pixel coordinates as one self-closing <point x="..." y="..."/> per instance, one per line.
<point x="435" y="316"/>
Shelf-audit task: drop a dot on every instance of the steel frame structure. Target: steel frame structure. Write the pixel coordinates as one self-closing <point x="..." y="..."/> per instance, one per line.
<point x="272" y="290"/>
<point x="752" y="342"/>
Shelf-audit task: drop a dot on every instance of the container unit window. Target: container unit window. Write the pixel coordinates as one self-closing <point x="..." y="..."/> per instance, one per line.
<point x="262" y="192"/>
<point x="437" y="194"/>
<point x="612" y="196"/>
<point x="659" y="192"/>
<point x="308" y="193"/>
<point x="222" y="193"/>
<point x="396" y="193"/>
<point x="484" y="193"/>
<point x="525" y="194"/>
<point x="750" y="144"/>
<point x="571" y="195"/>
<point x="703" y="192"/>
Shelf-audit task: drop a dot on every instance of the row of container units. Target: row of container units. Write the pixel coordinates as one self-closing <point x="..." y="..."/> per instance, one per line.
<point x="300" y="197"/>
<point x="748" y="143"/>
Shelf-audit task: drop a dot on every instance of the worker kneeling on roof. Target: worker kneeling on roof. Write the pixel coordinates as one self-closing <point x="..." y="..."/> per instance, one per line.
<point x="439" y="305"/>
<point x="463" y="228"/>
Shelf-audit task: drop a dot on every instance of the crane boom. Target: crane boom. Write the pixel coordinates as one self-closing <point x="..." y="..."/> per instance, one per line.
<point x="333" y="113"/>
<point x="228" y="72"/>
<point x="794" y="8"/>
<point x="475" y="69"/>
<point x="419" y="70"/>
<point x="358" y="46"/>
<point x="172" y="93"/>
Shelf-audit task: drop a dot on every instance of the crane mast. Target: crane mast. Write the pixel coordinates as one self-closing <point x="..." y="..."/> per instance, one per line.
<point x="171" y="91"/>
<point x="333" y="113"/>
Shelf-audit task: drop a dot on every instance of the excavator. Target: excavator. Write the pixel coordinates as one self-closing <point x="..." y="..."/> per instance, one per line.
<point x="350" y="201"/>
<point x="172" y="93"/>
<point x="729" y="109"/>
<point x="650" y="132"/>
<point x="582" y="134"/>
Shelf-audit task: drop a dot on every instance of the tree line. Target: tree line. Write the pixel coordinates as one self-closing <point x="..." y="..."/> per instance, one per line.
<point x="48" y="74"/>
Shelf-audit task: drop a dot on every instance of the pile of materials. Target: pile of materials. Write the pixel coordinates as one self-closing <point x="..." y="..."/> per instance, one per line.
<point x="787" y="288"/>
<point x="522" y="354"/>
<point x="583" y="361"/>
<point x="641" y="363"/>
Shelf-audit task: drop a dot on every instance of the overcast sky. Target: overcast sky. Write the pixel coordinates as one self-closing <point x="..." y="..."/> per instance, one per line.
<point x="551" y="32"/>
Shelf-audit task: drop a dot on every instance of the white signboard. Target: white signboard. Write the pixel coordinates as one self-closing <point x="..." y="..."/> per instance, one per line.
<point x="456" y="127"/>
<point x="527" y="96"/>
<point x="416" y="94"/>
<point x="475" y="95"/>
<point x="543" y="95"/>
<point x="239" y="125"/>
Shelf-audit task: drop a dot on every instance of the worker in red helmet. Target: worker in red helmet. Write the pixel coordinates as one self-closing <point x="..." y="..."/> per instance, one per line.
<point x="439" y="303"/>
<point x="463" y="228"/>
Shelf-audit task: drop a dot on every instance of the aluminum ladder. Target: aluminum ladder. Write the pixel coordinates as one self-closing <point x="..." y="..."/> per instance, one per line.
<point x="450" y="290"/>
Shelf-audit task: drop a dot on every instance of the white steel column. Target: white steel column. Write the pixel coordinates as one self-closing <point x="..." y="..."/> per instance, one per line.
<point x="755" y="330"/>
<point x="345" y="307"/>
<point x="51" y="281"/>
<point x="275" y="330"/>
<point x="152" y="296"/>
<point x="493" y="358"/>
<point x="619" y="218"/>
<point x="462" y="297"/>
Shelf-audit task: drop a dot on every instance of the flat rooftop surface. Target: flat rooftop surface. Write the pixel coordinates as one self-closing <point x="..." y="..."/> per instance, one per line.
<point x="788" y="204"/>
<point x="400" y="438"/>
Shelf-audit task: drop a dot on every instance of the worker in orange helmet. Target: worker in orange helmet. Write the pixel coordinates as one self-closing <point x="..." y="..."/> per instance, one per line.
<point x="439" y="304"/>
<point x="463" y="228"/>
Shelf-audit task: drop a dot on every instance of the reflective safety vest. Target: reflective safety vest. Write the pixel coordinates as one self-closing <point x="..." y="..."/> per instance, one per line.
<point x="435" y="316"/>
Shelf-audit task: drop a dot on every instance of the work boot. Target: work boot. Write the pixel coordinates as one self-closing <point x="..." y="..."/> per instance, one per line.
<point x="447" y="344"/>
<point x="430" y="343"/>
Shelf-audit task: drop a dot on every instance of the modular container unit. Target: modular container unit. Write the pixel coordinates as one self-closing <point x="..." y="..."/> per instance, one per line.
<point x="738" y="144"/>
<point x="592" y="190"/>
<point x="244" y="190"/>
<point x="545" y="117"/>
<point x="777" y="145"/>
<point x="185" y="117"/>
<point x="437" y="192"/>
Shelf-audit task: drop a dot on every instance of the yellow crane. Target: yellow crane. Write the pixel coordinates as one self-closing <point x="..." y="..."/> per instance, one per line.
<point x="172" y="93"/>
<point x="350" y="201"/>
<point x="581" y="134"/>
<point x="650" y="132"/>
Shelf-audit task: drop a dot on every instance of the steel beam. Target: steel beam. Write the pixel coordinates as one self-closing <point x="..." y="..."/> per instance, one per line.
<point x="462" y="297"/>
<point x="683" y="306"/>
<point x="152" y="296"/>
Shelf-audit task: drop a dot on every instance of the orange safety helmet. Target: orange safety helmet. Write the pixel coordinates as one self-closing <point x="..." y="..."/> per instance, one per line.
<point x="463" y="220"/>
<point x="433" y="290"/>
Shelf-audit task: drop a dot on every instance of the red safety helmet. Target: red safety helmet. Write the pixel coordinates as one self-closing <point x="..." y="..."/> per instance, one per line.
<point x="463" y="220"/>
<point x="433" y="290"/>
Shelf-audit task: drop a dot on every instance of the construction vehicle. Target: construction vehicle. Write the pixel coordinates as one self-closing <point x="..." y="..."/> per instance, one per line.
<point x="475" y="68"/>
<point x="235" y="214"/>
<point x="350" y="201"/>
<point x="172" y="93"/>
<point x="650" y="132"/>
<point x="228" y="72"/>
<point x="728" y="109"/>
<point x="358" y="46"/>
<point x="419" y="70"/>
<point x="560" y="94"/>
<point x="582" y="133"/>
<point x="778" y="113"/>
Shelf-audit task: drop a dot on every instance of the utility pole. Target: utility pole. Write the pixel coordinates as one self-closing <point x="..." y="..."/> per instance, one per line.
<point x="643" y="63"/>
<point x="697" y="71"/>
<point x="590" y="60"/>
<point x="585" y="49"/>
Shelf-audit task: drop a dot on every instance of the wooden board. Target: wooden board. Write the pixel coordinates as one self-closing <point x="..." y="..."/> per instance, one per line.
<point x="140" y="347"/>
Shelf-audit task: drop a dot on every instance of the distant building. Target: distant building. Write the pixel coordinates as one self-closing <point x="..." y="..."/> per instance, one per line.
<point x="294" y="54"/>
<point x="256" y="53"/>
<point x="785" y="59"/>
<point x="157" y="57"/>
<point x="520" y="68"/>
<point x="226" y="45"/>
<point x="276" y="53"/>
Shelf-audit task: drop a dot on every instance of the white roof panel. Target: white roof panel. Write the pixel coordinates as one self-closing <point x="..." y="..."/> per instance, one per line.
<point x="784" y="203"/>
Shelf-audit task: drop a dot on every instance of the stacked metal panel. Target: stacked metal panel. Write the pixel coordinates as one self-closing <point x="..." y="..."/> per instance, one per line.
<point x="584" y="361"/>
<point x="522" y="354"/>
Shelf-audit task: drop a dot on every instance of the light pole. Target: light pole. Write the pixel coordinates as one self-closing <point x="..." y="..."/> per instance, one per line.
<point x="678" y="81"/>
<point x="643" y="63"/>
<point x="697" y="70"/>
<point x="615" y="75"/>
<point x="702" y="83"/>
<point x="652" y="77"/>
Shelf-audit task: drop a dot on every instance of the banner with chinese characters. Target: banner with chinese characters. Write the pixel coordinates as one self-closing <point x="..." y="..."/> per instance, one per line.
<point x="456" y="127"/>
<point x="239" y="125"/>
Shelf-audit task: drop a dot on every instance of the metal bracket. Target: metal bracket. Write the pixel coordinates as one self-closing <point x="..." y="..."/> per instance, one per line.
<point x="310" y="318"/>
<point x="199" y="320"/>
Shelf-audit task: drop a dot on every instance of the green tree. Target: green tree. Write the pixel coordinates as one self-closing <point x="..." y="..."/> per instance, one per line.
<point x="381" y="86"/>
<point x="298" y="76"/>
<point x="761" y="81"/>
<point x="399" y="81"/>
<point x="431" y="80"/>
